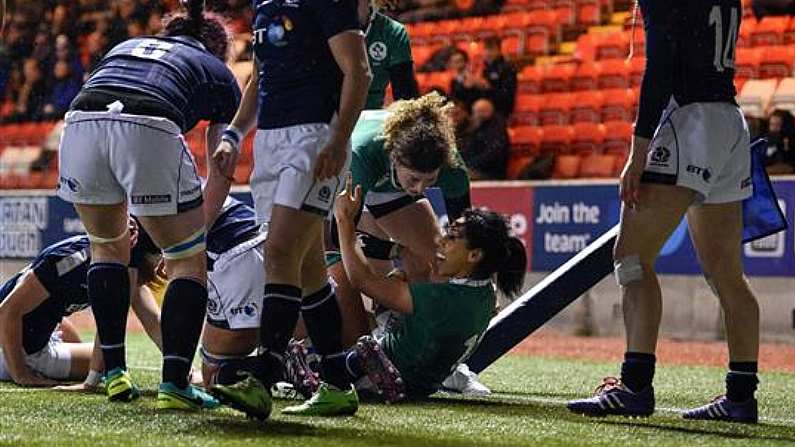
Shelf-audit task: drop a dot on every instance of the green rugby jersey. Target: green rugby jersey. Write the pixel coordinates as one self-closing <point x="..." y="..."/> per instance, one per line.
<point x="387" y="46"/>
<point x="372" y="169"/>
<point x="446" y="325"/>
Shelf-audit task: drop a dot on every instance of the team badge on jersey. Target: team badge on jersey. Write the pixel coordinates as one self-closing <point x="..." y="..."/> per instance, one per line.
<point x="278" y="29"/>
<point x="378" y="51"/>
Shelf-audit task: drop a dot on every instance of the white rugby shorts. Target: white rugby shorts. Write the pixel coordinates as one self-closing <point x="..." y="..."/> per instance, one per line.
<point x="53" y="361"/>
<point x="704" y="147"/>
<point x="284" y="160"/>
<point x="108" y="157"/>
<point x="236" y="287"/>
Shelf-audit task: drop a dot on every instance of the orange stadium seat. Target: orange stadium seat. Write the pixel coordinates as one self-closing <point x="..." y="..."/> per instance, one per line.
<point x="789" y="34"/>
<point x="565" y="10"/>
<point x="618" y="137"/>
<point x="586" y="47"/>
<point x="542" y="30"/>
<point x="776" y="61"/>
<point x="770" y="31"/>
<point x="638" y="40"/>
<point x="566" y="166"/>
<point x="511" y="46"/>
<point x="556" y="138"/>
<point x="554" y="109"/>
<point x="598" y="165"/>
<point x="526" y="109"/>
<point x="586" y="76"/>
<point x="516" y="163"/>
<point x="637" y="65"/>
<point x="588" y="138"/>
<point x="557" y="78"/>
<point x="615" y="74"/>
<point x="747" y="28"/>
<point x="618" y="105"/>
<point x="613" y="46"/>
<point x="589" y="12"/>
<point x="529" y="79"/>
<point x="747" y="61"/>
<point x="526" y="140"/>
<point x="586" y="107"/>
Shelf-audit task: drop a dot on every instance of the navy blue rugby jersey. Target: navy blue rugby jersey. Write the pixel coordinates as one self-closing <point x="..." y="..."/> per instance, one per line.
<point x="236" y="223"/>
<point x="189" y="81"/>
<point x="299" y="80"/>
<point x="690" y="54"/>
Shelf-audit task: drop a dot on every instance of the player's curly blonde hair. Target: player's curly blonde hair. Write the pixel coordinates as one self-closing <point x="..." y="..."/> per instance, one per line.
<point x="420" y="133"/>
<point x="384" y="4"/>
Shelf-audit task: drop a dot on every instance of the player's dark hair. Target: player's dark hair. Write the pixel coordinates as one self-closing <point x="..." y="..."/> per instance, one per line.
<point x="420" y="133"/>
<point x="206" y="27"/>
<point x="503" y="255"/>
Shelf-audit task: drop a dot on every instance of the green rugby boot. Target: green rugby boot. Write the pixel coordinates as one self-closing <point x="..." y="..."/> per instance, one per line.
<point x="327" y="401"/>
<point x="190" y="398"/>
<point x="249" y="396"/>
<point x="119" y="386"/>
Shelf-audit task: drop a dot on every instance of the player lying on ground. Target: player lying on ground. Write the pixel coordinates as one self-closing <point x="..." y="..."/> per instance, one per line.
<point x="34" y="301"/>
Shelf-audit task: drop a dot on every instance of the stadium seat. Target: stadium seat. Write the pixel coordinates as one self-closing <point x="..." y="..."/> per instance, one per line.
<point x="619" y="104"/>
<point x="638" y="40"/>
<point x="566" y="166"/>
<point x="588" y="138"/>
<point x="50" y="179"/>
<point x="556" y="138"/>
<point x="747" y="61"/>
<point x="541" y="32"/>
<point x="784" y="96"/>
<point x="789" y="34"/>
<point x="586" y="107"/>
<point x="565" y="11"/>
<point x="770" y="31"/>
<point x="613" y="46"/>
<point x="554" y="109"/>
<point x="747" y="28"/>
<point x="511" y="46"/>
<point x="615" y="74"/>
<point x="529" y="80"/>
<point x="637" y="65"/>
<point x="526" y="110"/>
<point x="586" y="47"/>
<point x="526" y="140"/>
<point x="586" y="76"/>
<point x="756" y="95"/>
<point x="516" y="163"/>
<point x="557" y="78"/>
<point x="776" y="61"/>
<point x="9" y="181"/>
<point x="588" y="12"/>
<point x="440" y="79"/>
<point x="598" y="165"/>
<point x="618" y="137"/>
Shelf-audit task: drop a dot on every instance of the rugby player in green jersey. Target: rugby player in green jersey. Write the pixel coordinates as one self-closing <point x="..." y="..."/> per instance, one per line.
<point x="389" y="54"/>
<point x="442" y="322"/>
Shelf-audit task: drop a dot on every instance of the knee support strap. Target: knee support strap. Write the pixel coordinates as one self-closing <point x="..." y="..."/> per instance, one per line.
<point x="215" y="359"/>
<point x="195" y="243"/>
<point x="628" y="269"/>
<point x="106" y="240"/>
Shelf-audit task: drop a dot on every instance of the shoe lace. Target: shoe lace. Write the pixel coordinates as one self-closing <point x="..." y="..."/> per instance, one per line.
<point x="608" y="383"/>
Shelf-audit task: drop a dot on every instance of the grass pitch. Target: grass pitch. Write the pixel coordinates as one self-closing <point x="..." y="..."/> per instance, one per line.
<point x="525" y="409"/>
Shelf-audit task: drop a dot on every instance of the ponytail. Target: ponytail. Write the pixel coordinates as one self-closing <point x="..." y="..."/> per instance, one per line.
<point x="195" y="10"/>
<point x="207" y="27"/>
<point x="510" y="277"/>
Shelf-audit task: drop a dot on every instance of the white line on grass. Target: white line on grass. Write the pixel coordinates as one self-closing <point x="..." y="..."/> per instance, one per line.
<point x="561" y="402"/>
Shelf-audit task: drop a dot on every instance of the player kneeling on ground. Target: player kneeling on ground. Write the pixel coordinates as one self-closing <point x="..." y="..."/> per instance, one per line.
<point x="34" y="301"/>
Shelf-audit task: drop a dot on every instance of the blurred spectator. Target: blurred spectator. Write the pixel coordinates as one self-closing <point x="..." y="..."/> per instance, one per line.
<point x="486" y="151"/>
<point x="154" y="24"/>
<point x="62" y="21"/>
<point x="30" y="100"/>
<point x="96" y="45"/>
<point x="135" y="29"/>
<point x="63" y="91"/>
<point x="773" y="8"/>
<point x="466" y="85"/>
<point x="499" y="76"/>
<point x="780" y="156"/>
<point x="65" y="52"/>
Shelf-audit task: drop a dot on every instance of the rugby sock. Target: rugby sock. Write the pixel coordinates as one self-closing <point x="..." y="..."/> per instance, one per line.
<point x="280" y="308"/>
<point x="637" y="371"/>
<point x="741" y="381"/>
<point x="353" y="366"/>
<point x="109" y="295"/>
<point x="181" y="320"/>
<point x="324" y="324"/>
<point x="228" y="370"/>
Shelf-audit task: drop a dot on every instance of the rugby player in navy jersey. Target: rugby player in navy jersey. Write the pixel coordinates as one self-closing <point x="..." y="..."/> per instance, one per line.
<point x="123" y="151"/>
<point x="309" y="78"/>
<point x="35" y="301"/>
<point x="696" y="163"/>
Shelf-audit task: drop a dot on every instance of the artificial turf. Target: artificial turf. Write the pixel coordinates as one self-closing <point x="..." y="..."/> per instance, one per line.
<point x="525" y="409"/>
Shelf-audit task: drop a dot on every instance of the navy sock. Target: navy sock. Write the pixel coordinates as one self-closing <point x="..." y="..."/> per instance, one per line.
<point x="109" y="295"/>
<point x="256" y="365"/>
<point x="280" y="308"/>
<point x="353" y="366"/>
<point x="324" y="324"/>
<point x="637" y="371"/>
<point x="182" y="317"/>
<point x="741" y="381"/>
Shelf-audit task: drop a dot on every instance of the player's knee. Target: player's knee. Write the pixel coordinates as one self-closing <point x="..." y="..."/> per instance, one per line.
<point x="110" y="248"/>
<point x="628" y="269"/>
<point x="186" y="259"/>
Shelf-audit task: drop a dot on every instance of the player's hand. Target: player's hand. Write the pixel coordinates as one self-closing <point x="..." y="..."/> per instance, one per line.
<point x="80" y="388"/>
<point x="629" y="186"/>
<point x="348" y="202"/>
<point x="133" y="225"/>
<point x="225" y="160"/>
<point x="331" y="158"/>
<point x="34" y="380"/>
